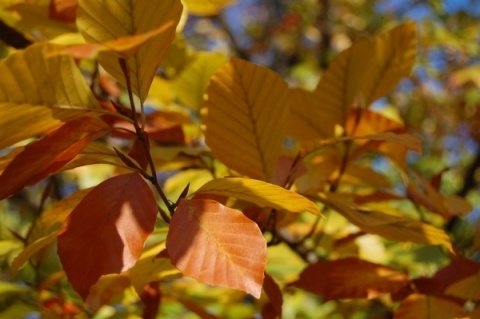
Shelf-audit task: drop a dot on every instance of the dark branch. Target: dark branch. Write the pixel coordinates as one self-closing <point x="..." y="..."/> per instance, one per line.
<point x="12" y="37"/>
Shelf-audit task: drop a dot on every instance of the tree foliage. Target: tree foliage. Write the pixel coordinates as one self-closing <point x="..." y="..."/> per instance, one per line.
<point x="144" y="177"/>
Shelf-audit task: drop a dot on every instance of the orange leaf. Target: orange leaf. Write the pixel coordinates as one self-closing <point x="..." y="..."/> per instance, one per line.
<point x="217" y="245"/>
<point x="63" y="10"/>
<point x="424" y="307"/>
<point x="351" y="278"/>
<point x="106" y="232"/>
<point x="371" y="123"/>
<point x="274" y="294"/>
<point x="49" y="154"/>
<point x="150" y="297"/>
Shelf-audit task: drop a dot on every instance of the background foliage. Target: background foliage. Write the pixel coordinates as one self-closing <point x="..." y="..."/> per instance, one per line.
<point x="378" y="266"/>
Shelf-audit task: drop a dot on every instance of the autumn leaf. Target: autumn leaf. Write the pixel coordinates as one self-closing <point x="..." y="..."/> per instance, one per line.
<point x="100" y="21"/>
<point x="371" y="123"/>
<point x="394" y="55"/>
<point x="351" y="278"/>
<point x="106" y="232"/>
<point x="274" y="294"/>
<point x="245" y="117"/>
<point x="217" y="245"/>
<point x="207" y="7"/>
<point x="466" y="288"/>
<point x="418" y="306"/>
<point x="107" y="287"/>
<point x="63" y="10"/>
<point x="340" y="84"/>
<point x="261" y="193"/>
<point x="46" y="156"/>
<point x="31" y="249"/>
<point x="38" y="92"/>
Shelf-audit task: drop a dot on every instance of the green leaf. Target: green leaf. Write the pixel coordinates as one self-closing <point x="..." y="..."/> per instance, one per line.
<point x="261" y="193"/>
<point x="31" y="249"/>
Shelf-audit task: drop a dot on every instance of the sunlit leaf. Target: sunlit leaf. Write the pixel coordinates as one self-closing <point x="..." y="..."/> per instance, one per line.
<point x="245" y="117"/>
<point x="371" y="123"/>
<point x="340" y="84"/>
<point x="394" y="55"/>
<point x="38" y="92"/>
<point x="425" y="307"/>
<point x="351" y="278"/>
<point x="46" y="156"/>
<point x="190" y="85"/>
<point x="31" y="249"/>
<point x="106" y="288"/>
<point x="207" y="7"/>
<point x="392" y="227"/>
<point x="217" y="245"/>
<point x="95" y="153"/>
<point x="106" y="232"/>
<point x="261" y="193"/>
<point x="101" y="21"/>
<point x="309" y="118"/>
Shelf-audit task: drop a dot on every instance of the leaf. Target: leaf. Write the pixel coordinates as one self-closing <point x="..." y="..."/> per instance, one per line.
<point x="394" y="55"/>
<point x="106" y="232"/>
<point x="418" y="306"/>
<point x="407" y="140"/>
<point x="95" y="153"/>
<point x="63" y="10"/>
<point x="371" y="123"/>
<point x="46" y="156"/>
<point x="392" y="227"/>
<point x="351" y="278"/>
<point x="31" y="249"/>
<point x="101" y="21"/>
<point x="245" y="117"/>
<point x="38" y="92"/>
<point x="190" y="85"/>
<point x="151" y="296"/>
<point x="309" y="118"/>
<point x="107" y="287"/>
<point x="196" y="309"/>
<point x="261" y="193"/>
<point x="340" y="84"/>
<point x="466" y="288"/>
<point x="274" y="294"/>
<point x="217" y="245"/>
<point x="57" y="213"/>
<point x="207" y="7"/>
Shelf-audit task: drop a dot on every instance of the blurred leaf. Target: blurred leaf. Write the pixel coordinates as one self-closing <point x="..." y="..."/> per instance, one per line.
<point x="104" y="21"/>
<point x="63" y="10"/>
<point x="190" y="85"/>
<point x="395" y="53"/>
<point x="274" y="294"/>
<point x="31" y="249"/>
<point x="106" y="288"/>
<point x="46" y="156"/>
<point x="351" y="278"/>
<point x="124" y="210"/>
<point x="197" y="309"/>
<point x="261" y="193"/>
<point x="425" y="307"/>
<point x="245" y="117"/>
<point x="217" y="245"/>
<point x="466" y="288"/>
<point x="207" y="7"/>
<point x="11" y="288"/>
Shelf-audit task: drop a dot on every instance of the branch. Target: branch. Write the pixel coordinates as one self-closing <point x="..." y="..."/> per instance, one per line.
<point x="12" y="37"/>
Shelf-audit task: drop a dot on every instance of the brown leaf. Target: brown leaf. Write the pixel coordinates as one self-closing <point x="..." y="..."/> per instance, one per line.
<point x="151" y="297"/>
<point x="351" y="278"/>
<point x="424" y="307"/>
<point x="63" y="10"/>
<point x="46" y="156"/>
<point x="217" y="245"/>
<point x="106" y="232"/>
<point x="274" y="294"/>
<point x="197" y="309"/>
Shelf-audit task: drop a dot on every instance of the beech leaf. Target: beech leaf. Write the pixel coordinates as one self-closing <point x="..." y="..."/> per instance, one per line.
<point x="48" y="155"/>
<point x="31" y="249"/>
<point x="274" y="294"/>
<point x="261" y="193"/>
<point x="351" y="278"/>
<point x="418" y="306"/>
<point x="102" y="21"/>
<point x="245" y="117"/>
<point x="106" y="232"/>
<point x="466" y="288"/>
<point x="217" y="245"/>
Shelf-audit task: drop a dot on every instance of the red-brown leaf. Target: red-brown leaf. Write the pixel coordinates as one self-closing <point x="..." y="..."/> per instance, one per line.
<point x="106" y="232"/>
<point x="63" y="10"/>
<point x="46" y="156"/>
<point x="351" y="278"/>
<point x="217" y="245"/>
<point x="274" y="294"/>
<point x="423" y="307"/>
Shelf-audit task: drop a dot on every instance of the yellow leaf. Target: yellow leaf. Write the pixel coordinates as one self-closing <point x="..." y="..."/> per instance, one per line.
<point x="207" y="7"/>
<point x="190" y="85"/>
<point x="102" y="21"/>
<point x="31" y="249"/>
<point x="95" y="153"/>
<point x="466" y="288"/>
<point x="340" y="85"/>
<point x="38" y="92"/>
<point x="245" y="117"/>
<point x="107" y="288"/>
<point x="418" y="306"/>
<point x="309" y="117"/>
<point x="261" y="193"/>
<point x="390" y="226"/>
<point x="394" y="55"/>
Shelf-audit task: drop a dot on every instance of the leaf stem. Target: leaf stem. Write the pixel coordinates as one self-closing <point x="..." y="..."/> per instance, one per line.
<point x="145" y="142"/>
